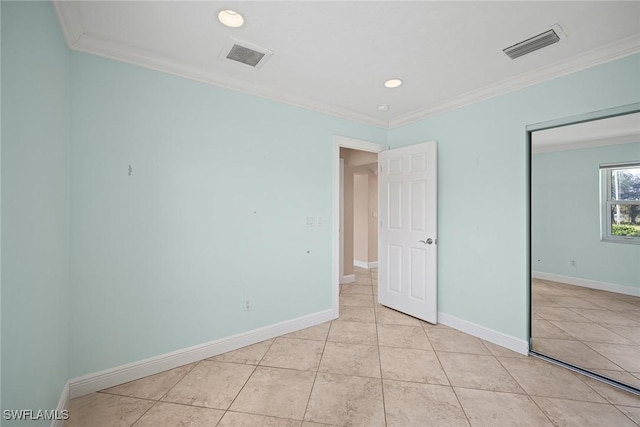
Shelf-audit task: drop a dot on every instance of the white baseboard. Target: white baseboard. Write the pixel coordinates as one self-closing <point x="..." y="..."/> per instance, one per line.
<point x="361" y="264"/>
<point x="121" y="374"/>
<point x="592" y="284"/>
<point x="63" y="404"/>
<point x="365" y="264"/>
<point x="498" y="338"/>
<point x="348" y="279"/>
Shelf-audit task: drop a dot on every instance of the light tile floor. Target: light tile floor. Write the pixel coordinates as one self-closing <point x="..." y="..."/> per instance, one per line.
<point x="596" y="330"/>
<point x="372" y="367"/>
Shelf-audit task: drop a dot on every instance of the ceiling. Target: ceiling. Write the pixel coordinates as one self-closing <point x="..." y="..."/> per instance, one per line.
<point x="595" y="133"/>
<point x="334" y="56"/>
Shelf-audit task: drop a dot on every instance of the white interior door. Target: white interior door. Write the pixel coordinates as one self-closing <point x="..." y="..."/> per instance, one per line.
<point x="407" y="259"/>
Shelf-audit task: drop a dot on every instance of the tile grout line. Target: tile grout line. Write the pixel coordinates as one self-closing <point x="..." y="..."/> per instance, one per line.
<point x="259" y="415"/>
<point x="156" y="401"/>
<point x="375" y="317"/>
<point x="507" y="371"/>
<point x="511" y="375"/>
<point x="557" y="324"/>
<point x="532" y="395"/>
<point x="315" y="376"/>
<point x="464" y="412"/>
<point x="625" y="414"/>
<point x="255" y="368"/>
<point x="569" y="399"/>
<point x="180" y="380"/>
<point x="604" y="398"/>
<point x="145" y="413"/>
<point x="531" y="398"/>
<point x="584" y="342"/>
<point x="239" y="391"/>
<point x="245" y="383"/>
<point x="573" y="294"/>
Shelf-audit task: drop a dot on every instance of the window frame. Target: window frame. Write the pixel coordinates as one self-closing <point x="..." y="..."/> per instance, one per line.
<point x="607" y="202"/>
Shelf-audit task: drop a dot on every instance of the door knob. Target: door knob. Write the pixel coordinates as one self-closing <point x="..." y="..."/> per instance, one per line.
<point x="427" y="242"/>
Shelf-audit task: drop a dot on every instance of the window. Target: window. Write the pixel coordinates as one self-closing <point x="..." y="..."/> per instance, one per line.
<point x="621" y="202"/>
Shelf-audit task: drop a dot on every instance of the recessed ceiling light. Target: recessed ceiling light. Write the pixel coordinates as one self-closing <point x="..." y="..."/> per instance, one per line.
<point x="383" y="107"/>
<point x="393" y="83"/>
<point x="231" y="18"/>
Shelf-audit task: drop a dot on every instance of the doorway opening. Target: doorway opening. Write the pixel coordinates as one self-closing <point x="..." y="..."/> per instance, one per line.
<point x="355" y="212"/>
<point x="359" y="210"/>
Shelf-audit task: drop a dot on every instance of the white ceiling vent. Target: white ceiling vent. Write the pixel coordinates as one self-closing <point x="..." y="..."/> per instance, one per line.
<point x="245" y="53"/>
<point x="534" y="43"/>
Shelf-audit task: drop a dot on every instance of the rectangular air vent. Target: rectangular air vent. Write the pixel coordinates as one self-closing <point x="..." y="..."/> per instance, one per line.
<point x="532" y="44"/>
<point x="245" y="53"/>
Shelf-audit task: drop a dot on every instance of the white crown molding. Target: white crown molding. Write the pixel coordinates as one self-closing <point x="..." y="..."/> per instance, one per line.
<point x="77" y="39"/>
<point x="69" y="19"/>
<point x="587" y="143"/>
<point x="342" y="141"/>
<point x="610" y="52"/>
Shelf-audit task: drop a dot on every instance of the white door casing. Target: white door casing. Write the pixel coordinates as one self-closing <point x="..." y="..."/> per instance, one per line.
<point x="356" y="144"/>
<point x="341" y="230"/>
<point x="407" y="266"/>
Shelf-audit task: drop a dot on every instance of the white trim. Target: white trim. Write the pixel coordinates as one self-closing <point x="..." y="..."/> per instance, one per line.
<point x="607" y="202"/>
<point x="589" y="143"/>
<point x="120" y="52"/>
<point x="356" y="144"/>
<point x="592" y="284"/>
<point x="132" y="371"/>
<point x="71" y="23"/>
<point x="365" y="264"/>
<point x="69" y="19"/>
<point x="610" y="52"/>
<point x="63" y="404"/>
<point x="361" y="264"/>
<point x="341" y="223"/>
<point x="498" y="338"/>
<point x="350" y="278"/>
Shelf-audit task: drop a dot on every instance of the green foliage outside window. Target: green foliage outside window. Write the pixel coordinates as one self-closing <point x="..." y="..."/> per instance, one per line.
<point x="625" y="230"/>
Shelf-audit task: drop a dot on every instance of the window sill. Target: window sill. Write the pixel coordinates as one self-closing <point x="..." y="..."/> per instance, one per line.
<point x="625" y="240"/>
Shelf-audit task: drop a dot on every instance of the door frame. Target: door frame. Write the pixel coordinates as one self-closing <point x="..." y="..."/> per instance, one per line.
<point x="340" y="141"/>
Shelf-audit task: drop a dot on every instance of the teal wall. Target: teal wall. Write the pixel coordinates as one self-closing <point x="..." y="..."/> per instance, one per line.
<point x="102" y="268"/>
<point x="483" y="190"/>
<point x="214" y="212"/>
<point x="565" y="217"/>
<point x="35" y="208"/>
